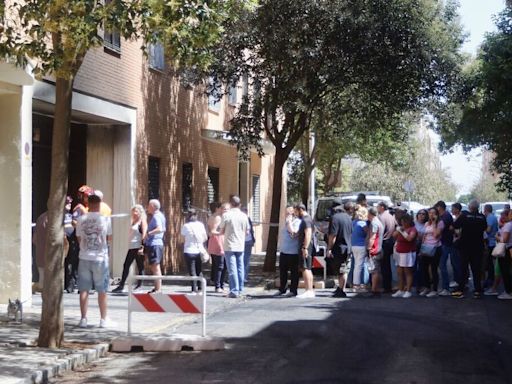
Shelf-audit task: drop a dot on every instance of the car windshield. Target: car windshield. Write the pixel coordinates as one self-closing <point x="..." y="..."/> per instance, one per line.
<point x="322" y="210"/>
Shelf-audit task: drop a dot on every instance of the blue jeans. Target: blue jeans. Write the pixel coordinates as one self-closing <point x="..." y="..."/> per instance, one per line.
<point x="448" y="251"/>
<point x="247" y="257"/>
<point x="236" y="271"/>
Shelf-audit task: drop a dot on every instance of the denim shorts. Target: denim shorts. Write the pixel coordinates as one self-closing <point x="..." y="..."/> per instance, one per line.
<point x="93" y="274"/>
<point x="155" y="253"/>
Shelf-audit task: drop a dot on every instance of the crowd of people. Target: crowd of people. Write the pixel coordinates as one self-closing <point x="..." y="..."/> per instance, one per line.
<point x="372" y="247"/>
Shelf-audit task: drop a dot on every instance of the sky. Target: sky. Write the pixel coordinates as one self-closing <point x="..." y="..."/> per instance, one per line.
<point x="476" y="17"/>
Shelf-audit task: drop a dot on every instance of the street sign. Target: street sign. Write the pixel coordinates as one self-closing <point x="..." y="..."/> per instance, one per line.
<point x="409" y="186"/>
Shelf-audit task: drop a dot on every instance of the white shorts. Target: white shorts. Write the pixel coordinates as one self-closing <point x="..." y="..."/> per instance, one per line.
<point x="405" y="259"/>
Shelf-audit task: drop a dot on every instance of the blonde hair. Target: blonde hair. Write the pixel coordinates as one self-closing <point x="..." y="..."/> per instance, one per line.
<point x="140" y="210"/>
<point x="361" y="213"/>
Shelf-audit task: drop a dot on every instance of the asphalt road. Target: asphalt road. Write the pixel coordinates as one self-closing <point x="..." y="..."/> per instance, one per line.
<point x="326" y="340"/>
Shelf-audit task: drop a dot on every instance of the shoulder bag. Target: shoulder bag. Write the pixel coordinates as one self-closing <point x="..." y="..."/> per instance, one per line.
<point x="205" y="256"/>
<point x="499" y="250"/>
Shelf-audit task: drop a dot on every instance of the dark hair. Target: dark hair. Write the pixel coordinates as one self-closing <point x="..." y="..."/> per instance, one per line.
<point x="94" y="199"/>
<point x="383" y="204"/>
<point x="214" y="206"/>
<point x="425" y="214"/>
<point x="234" y="201"/>
<point x="488" y="207"/>
<point x="300" y="206"/>
<point x="457" y="206"/>
<point x="191" y="215"/>
<point x="440" y="204"/>
<point x="360" y="198"/>
<point x="437" y="213"/>
<point x="407" y="219"/>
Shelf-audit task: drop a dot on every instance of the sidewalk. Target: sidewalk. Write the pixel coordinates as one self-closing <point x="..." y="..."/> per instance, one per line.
<point x="21" y="361"/>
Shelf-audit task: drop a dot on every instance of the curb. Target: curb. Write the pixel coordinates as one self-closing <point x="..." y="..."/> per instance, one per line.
<point x="72" y="360"/>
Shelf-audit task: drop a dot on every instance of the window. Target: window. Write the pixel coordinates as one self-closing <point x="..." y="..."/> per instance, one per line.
<point x="245" y="85"/>
<point x="156" y="56"/>
<point x="214" y="94"/>
<point x="112" y="39"/>
<point x="213" y="185"/>
<point x="232" y="95"/>
<point x="256" y="198"/>
<point x="186" y="185"/>
<point x="153" y="177"/>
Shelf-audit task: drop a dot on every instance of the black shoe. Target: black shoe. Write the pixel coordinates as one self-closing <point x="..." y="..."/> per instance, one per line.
<point x="119" y="289"/>
<point x="339" y="293"/>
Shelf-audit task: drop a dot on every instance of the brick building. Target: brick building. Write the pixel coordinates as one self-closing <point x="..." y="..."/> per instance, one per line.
<point x="137" y="133"/>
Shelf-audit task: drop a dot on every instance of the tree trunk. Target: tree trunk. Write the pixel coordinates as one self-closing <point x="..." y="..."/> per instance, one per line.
<point x="277" y="183"/>
<point x="51" y="331"/>
<point x="304" y="191"/>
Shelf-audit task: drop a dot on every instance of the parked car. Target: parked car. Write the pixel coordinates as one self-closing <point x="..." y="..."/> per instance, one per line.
<point x="497" y="206"/>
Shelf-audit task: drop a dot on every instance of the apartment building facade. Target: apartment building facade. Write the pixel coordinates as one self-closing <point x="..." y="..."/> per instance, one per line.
<point x="137" y="133"/>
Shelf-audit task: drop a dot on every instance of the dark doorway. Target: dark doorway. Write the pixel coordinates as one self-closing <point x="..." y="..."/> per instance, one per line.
<point x="41" y="161"/>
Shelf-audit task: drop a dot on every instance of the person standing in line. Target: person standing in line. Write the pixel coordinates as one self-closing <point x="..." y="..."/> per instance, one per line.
<point x="288" y="256"/>
<point x="216" y="246"/>
<point x="491" y="231"/>
<point x="505" y="263"/>
<point x="249" y="243"/>
<point x="374" y="246"/>
<point x="388" y="243"/>
<point x="472" y="225"/>
<point x="339" y="244"/>
<point x="430" y="254"/>
<point x="234" y="226"/>
<point x="155" y="241"/>
<point x="71" y="260"/>
<point x="406" y="250"/>
<point x="94" y="232"/>
<point x="194" y="234"/>
<point x="306" y="249"/>
<point x="446" y="248"/>
<point x="359" y="234"/>
<point x="138" y="230"/>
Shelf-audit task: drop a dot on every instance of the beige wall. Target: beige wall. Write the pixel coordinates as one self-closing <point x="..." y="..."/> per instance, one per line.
<point x="15" y="171"/>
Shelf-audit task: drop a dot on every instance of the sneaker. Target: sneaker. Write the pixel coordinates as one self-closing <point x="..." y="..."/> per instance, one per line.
<point x="398" y="293"/>
<point x="432" y="294"/>
<point x="458" y="295"/>
<point x="107" y="323"/>
<point x="232" y="295"/>
<point x="453" y="284"/>
<point x="219" y="290"/>
<point x="490" y="292"/>
<point x="424" y="292"/>
<point x="505" y="296"/>
<point x="136" y="287"/>
<point x="279" y="293"/>
<point x="154" y="291"/>
<point x="444" y="293"/>
<point x="290" y="294"/>
<point x="82" y="323"/>
<point x="477" y="295"/>
<point x="119" y="289"/>
<point x="407" y="295"/>
<point x="193" y="293"/>
<point x="306" y="295"/>
<point x="339" y="293"/>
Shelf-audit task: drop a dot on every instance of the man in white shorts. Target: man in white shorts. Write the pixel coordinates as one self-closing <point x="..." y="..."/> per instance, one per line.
<point x="94" y="232"/>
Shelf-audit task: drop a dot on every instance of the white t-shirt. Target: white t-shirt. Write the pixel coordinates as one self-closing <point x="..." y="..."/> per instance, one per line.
<point x="194" y="234"/>
<point x="93" y="229"/>
<point x="507" y="228"/>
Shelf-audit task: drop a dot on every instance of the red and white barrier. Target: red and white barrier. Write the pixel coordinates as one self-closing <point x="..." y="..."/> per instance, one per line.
<point x="319" y="262"/>
<point x="167" y="302"/>
<point x="163" y="302"/>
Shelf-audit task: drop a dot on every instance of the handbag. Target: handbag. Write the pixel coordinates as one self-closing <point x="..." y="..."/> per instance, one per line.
<point x="499" y="250"/>
<point x="428" y="250"/>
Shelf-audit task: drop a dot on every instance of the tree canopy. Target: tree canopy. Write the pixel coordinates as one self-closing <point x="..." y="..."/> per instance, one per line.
<point x="479" y="111"/>
<point x="393" y="54"/>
